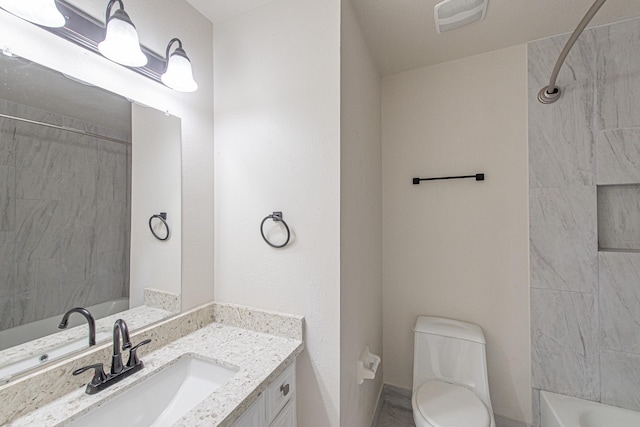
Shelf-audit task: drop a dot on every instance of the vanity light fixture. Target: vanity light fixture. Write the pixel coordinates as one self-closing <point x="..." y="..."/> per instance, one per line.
<point x="121" y="43"/>
<point x="178" y="75"/>
<point x="111" y="38"/>
<point x="41" y="12"/>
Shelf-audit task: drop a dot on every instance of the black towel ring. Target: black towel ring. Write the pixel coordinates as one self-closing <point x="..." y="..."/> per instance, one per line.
<point x="162" y="217"/>
<point x="276" y="217"/>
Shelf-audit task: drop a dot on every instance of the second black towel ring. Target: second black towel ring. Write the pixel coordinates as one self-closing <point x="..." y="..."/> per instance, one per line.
<point x="276" y="217"/>
<point x="162" y="217"/>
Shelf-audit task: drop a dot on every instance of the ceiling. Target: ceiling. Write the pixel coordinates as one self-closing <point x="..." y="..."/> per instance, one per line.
<point x="401" y="34"/>
<point x="219" y="10"/>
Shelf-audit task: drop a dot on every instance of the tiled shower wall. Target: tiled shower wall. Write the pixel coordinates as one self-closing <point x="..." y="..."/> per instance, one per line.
<point x="584" y="151"/>
<point x="64" y="216"/>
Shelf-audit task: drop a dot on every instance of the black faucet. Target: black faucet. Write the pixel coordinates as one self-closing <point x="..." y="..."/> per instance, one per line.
<point x="92" y="323"/>
<point x="101" y="380"/>
<point x="120" y="333"/>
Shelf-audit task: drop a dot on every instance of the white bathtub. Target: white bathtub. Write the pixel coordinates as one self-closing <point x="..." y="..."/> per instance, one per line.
<point x="41" y="328"/>
<point x="563" y="411"/>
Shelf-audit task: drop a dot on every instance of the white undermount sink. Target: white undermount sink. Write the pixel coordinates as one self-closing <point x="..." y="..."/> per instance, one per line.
<point x="47" y="356"/>
<point x="161" y="399"/>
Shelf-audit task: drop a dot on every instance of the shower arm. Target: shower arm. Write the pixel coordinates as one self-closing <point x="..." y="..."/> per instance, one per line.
<point x="551" y="93"/>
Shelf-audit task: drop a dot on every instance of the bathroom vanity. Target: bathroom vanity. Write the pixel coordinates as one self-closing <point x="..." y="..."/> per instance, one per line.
<point x="251" y="352"/>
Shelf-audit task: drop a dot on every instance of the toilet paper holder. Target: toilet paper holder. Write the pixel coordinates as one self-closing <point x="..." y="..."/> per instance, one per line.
<point x="367" y="365"/>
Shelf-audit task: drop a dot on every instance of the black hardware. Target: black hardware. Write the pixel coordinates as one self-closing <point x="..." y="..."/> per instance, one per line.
<point x="90" y="320"/>
<point x="478" y="177"/>
<point x="276" y="217"/>
<point x="87" y="32"/>
<point x="120" y="330"/>
<point x="133" y="354"/>
<point x="100" y="380"/>
<point x="99" y="377"/>
<point x="162" y="216"/>
<point x="96" y="386"/>
<point x="284" y="389"/>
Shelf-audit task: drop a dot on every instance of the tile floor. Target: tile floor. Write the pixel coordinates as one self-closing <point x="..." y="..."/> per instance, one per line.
<point x="395" y="410"/>
<point x="394" y="416"/>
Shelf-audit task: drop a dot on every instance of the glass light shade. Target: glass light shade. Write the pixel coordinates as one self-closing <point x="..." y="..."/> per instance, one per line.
<point x="179" y="75"/>
<point x="41" y="12"/>
<point x="121" y="43"/>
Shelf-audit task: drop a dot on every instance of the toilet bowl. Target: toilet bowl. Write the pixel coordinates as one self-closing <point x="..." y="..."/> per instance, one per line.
<point x="450" y="383"/>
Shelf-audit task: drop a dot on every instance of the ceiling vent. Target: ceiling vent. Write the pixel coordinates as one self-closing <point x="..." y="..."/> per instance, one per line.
<point x="453" y="14"/>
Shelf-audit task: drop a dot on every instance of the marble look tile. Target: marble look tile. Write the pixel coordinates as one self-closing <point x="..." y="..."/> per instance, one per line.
<point x="161" y="299"/>
<point x="78" y="294"/>
<point x="78" y="254"/>
<point x="38" y="229"/>
<point x="618" y="153"/>
<point x="79" y="155"/>
<point x="561" y="141"/>
<point x="60" y="171"/>
<point x="6" y="312"/>
<point x="563" y="238"/>
<point x="48" y="300"/>
<point x="618" y="71"/>
<point x="38" y="169"/>
<point x="112" y="176"/>
<point x="7" y="264"/>
<point x="110" y="281"/>
<point x="268" y="322"/>
<point x="38" y="282"/>
<point x="7" y="143"/>
<point x="580" y="63"/>
<point x="7" y="198"/>
<point x="619" y="217"/>
<point x="619" y="301"/>
<point x="112" y="233"/>
<point x="80" y="204"/>
<point x="564" y="332"/>
<point x="24" y="308"/>
<point x="620" y="379"/>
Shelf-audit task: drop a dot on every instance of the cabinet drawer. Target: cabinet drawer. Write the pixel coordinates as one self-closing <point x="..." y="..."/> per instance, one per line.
<point x="280" y="392"/>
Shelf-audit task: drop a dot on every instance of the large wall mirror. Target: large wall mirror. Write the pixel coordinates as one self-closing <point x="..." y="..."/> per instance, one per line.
<point x="84" y="178"/>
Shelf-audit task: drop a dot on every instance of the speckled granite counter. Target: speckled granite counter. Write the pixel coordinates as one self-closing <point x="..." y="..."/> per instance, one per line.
<point x="136" y="318"/>
<point x="260" y="357"/>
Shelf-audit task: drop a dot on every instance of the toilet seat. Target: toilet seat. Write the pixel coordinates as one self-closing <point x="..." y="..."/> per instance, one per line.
<point x="442" y="404"/>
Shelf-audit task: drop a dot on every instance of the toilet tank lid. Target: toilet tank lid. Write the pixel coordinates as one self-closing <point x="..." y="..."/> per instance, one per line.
<point x="449" y="328"/>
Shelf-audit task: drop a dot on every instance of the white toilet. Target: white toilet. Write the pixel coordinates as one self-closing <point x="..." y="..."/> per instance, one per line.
<point x="450" y="387"/>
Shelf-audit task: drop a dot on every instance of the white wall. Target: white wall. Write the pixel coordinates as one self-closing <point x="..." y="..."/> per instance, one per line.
<point x="459" y="249"/>
<point x="156" y="186"/>
<point x="157" y="21"/>
<point x="277" y="143"/>
<point x="360" y="222"/>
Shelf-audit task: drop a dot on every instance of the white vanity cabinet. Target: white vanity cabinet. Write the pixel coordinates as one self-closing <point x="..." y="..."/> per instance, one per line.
<point x="276" y="406"/>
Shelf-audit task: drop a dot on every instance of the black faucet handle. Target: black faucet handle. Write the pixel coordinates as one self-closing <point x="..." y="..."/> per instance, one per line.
<point x="133" y="354"/>
<point x="99" y="376"/>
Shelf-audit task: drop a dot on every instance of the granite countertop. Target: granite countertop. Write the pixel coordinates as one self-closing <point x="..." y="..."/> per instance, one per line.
<point x="260" y="358"/>
<point x="136" y="318"/>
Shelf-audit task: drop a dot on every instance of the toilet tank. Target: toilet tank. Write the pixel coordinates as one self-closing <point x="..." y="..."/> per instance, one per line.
<point x="451" y="351"/>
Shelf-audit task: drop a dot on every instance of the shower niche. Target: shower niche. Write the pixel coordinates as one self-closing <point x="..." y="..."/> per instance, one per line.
<point x="619" y="218"/>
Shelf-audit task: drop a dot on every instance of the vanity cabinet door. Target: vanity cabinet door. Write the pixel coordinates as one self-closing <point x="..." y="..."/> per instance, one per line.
<point x="254" y="416"/>
<point x="276" y="407"/>
<point x="280" y="392"/>
<point x="286" y="418"/>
